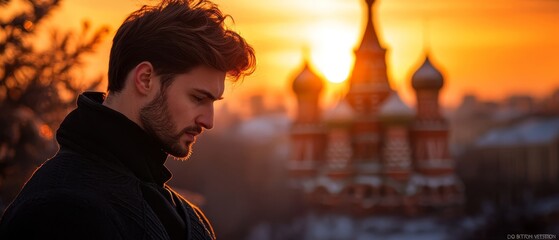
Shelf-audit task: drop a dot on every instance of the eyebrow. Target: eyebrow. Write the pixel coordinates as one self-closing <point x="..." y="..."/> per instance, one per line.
<point x="208" y="94"/>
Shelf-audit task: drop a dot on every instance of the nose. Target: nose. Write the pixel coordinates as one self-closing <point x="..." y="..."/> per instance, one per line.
<point x="206" y="118"/>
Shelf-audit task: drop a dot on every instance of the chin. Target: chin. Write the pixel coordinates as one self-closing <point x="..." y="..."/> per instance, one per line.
<point x="181" y="158"/>
<point x="182" y="154"/>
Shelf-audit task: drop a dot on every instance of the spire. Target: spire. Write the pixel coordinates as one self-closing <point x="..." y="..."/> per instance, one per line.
<point x="368" y="82"/>
<point x="306" y="54"/>
<point x="427" y="75"/>
<point x="426" y="32"/>
<point x="370" y="39"/>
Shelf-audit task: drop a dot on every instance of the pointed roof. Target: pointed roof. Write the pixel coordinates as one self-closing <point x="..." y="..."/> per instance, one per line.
<point x="307" y="81"/>
<point x="369" y="75"/>
<point x="342" y="113"/>
<point x="370" y="39"/>
<point x="394" y="108"/>
<point x="427" y="76"/>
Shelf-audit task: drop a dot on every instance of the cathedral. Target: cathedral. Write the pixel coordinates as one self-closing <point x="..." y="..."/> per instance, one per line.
<point x="372" y="153"/>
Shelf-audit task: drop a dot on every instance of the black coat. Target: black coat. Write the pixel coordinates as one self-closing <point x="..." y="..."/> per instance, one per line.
<point x="106" y="182"/>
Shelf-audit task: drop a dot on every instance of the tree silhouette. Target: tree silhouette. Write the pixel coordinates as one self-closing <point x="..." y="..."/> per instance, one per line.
<point x="37" y="87"/>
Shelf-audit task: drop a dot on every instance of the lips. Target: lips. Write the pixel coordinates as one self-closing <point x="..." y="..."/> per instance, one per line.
<point x="192" y="132"/>
<point x="191" y="136"/>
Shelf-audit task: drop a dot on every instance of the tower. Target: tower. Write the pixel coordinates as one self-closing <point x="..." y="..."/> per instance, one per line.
<point x="338" y="149"/>
<point x="435" y="176"/>
<point x="368" y="88"/>
<point x="396" y="118"/>
<point x="307" y="131"/>
<point x="396" y="151"/>
<point x="334" y="180"/>
<point x="372" y="153"/>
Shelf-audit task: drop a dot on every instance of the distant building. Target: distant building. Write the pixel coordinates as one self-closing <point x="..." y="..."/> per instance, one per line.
<point x="469" y="121"/>
<point x="508" y="158"/>
<point x="372" y="153"/>
<point x="512" y="165"/>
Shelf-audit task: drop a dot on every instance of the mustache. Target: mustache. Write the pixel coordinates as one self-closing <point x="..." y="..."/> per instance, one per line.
<point x="195" y="130"/>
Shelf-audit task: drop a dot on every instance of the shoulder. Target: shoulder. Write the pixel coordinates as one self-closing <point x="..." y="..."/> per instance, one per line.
<point x="71" y="197"/>
<point x="189" y="206"/>
<point x="58" y="214"/>
<point x="186" y="202"/>
<point x="72" y="170"/>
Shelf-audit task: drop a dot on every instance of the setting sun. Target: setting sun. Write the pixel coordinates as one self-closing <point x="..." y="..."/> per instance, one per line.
<point x="399" y="119"/>
<point x="491" y="55"/>
<point x="330" y="42"/>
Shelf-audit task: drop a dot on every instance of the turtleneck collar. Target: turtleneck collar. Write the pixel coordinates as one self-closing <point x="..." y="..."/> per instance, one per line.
<point x="109" y="135"/>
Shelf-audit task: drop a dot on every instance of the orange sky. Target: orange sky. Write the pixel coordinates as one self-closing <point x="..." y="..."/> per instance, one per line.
<point x="488" y="47"/>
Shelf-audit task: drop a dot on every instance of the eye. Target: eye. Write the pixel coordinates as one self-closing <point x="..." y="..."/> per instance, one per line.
<point x="198" y="99"/>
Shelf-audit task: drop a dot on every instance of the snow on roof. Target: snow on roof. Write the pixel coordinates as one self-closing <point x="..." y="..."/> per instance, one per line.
<point x="264" y="129"/>
<point x="333" y="186"/>
<point x="531" y="131"/>
<point x="395" y="107"/>
<point x="378" y="227"/>
<point x="339" y="226"/>
<point x="369" y="180"/>
<point x="342" y="112"/>
<point x="434" y="182"/>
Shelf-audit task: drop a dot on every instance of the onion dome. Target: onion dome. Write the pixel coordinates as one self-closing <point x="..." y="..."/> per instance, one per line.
<point x="307" y="81"/>
<point x="427" y="77"/>
<point x="342" y="114"/>
<point x="395" y="110"/>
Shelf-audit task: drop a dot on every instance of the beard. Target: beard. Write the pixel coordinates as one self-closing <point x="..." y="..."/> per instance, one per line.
<point x="156" y="120"/>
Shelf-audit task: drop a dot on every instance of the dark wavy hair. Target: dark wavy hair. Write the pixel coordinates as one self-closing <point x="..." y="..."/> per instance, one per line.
<point x="176" y="36"/>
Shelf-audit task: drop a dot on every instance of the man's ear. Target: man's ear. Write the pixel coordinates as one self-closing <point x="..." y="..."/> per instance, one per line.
<point x="144" y="78"/>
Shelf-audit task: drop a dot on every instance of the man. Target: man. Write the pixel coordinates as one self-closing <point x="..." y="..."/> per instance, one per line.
<point x="167" y="67"/>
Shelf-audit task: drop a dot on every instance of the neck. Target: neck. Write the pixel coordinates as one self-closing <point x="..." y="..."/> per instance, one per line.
<point x="125" y="105"/>
<point x="109" y="136"/>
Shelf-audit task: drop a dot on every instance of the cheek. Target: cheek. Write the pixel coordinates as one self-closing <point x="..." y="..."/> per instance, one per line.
<point x="181" y="112"/>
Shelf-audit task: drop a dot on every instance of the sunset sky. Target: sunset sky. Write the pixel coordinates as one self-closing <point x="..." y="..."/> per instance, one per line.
<point x="491" y="48"/>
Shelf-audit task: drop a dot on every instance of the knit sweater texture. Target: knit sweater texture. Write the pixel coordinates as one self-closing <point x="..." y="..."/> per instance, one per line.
<point x="107" y="181"/>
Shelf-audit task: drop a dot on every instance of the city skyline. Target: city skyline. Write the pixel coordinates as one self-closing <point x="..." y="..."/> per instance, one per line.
<point x="488" y="48"/>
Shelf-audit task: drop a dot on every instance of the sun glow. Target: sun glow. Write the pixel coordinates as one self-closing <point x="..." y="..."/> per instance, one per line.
<point x="476" y="50"/>
<point x="331" y="49"/>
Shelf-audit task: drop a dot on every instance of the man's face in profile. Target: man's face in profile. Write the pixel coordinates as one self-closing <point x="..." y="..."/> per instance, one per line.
<point x="177" y="115"/>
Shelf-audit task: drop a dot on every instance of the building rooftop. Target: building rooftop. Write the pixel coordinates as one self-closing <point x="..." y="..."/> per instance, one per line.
<point x="528" y="132"/>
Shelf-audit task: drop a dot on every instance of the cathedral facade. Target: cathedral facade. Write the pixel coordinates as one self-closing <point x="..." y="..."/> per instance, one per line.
<point x="373" y="153"/>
